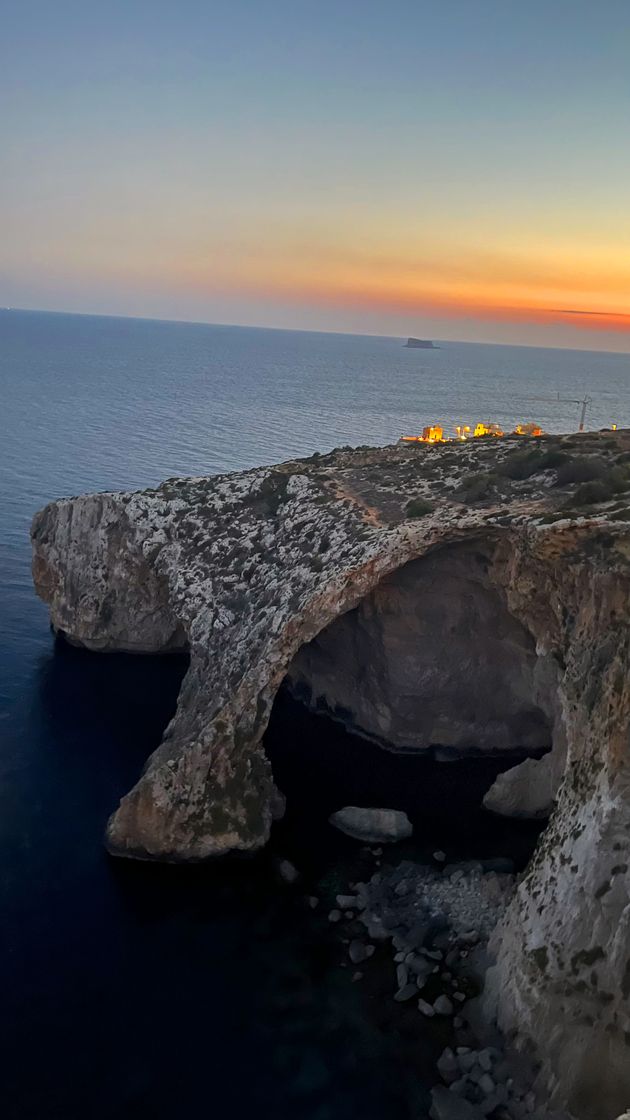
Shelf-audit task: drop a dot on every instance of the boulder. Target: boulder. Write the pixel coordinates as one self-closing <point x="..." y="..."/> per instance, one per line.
<point x="385" y="825"/>
<point x="359" y="952"/>
<point x="347" y="901"/>
<point x="405" y="993"/>
<point x="443" y="1005"/>
<point x="448" y="1065"/>
<point x="527" y="790"/>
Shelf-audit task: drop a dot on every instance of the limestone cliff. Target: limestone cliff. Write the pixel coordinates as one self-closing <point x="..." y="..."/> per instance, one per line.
<point x="246" y="570"/>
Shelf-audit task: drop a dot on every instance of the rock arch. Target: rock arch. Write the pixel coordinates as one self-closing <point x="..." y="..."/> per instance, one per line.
<point x="215" y="562"/>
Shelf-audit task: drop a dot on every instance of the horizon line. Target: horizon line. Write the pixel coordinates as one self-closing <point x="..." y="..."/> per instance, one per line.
<point x="305" y="330"/>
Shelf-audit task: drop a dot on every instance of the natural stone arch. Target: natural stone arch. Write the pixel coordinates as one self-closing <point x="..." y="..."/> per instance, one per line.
<point x="208" y="788"/>
<point x="562" y="973"/>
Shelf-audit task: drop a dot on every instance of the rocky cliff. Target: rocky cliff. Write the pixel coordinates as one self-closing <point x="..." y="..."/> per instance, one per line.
<point x="452" y="567"/>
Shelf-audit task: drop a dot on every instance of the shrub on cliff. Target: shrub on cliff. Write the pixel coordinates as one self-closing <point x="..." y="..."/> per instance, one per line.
<point x="523" y="464"/>
<point x="581" y="470"/>
<point x="614" y="481"/>
<point x="589" y="493"/>
<point x="274" y="490"/>
<point x="618" y="479"/>
<point x="553" y="458"/>
<point x="520" y="465"/>
<point x="478" y="486"/>
<point x="418" y="507"/>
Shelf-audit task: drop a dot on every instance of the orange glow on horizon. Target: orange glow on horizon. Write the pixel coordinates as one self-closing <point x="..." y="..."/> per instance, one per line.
<point x="379" y="273"/>
<point x="463" y="307"/>
<point x="458" y="306"/>
<point x="579" y="287"/>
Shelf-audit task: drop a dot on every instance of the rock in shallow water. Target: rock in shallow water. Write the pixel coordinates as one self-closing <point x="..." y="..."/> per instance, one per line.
<point x="383" y="825"/>
<point x="287" y="872"/>
<point x="405" y="993"/>
<point x="448" y="1065"/>
<point x="426" y="1008"/>
<point x="443" y="1005"/>
<point x="359" y="952"/>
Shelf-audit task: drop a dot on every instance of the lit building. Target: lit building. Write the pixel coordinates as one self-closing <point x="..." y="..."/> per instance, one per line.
<point x="489" y="429"/>
<point x="433" y="434"/>
<point x="528" y="430"/>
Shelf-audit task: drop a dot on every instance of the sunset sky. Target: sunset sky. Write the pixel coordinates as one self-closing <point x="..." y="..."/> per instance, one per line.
<point x="446" y="168"/>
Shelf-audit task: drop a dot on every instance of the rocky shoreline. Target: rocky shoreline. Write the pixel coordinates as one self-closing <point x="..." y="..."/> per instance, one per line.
<point x="435" y="922"/>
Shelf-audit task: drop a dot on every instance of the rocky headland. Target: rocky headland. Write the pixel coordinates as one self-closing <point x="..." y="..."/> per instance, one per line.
<point x="455" y="599"/>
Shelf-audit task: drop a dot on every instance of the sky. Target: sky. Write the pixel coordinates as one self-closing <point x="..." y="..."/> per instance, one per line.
<point x="443" y="168"/>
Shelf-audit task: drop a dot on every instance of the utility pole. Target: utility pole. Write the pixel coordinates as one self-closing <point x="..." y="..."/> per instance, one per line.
<point x="583" y="401"/>
<point x="586" y="400"/>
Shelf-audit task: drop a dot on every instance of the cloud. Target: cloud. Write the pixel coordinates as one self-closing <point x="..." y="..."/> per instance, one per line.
<point x="577" y="311"/>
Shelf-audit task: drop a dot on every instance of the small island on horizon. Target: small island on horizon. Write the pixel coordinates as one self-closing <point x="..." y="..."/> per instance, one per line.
<point x="420" y="344"/>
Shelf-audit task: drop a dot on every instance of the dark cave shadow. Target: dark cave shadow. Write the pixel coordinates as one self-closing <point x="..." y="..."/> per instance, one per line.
<point x="320" y="766"/>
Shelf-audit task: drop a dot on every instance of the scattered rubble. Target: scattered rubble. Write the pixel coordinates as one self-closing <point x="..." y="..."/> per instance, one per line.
<point x="438" y="922"/>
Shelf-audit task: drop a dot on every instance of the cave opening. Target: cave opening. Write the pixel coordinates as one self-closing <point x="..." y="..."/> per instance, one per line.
<point x="417" y="699"/>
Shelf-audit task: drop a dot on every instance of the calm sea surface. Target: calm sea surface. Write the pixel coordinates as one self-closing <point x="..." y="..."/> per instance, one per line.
<point x="133" y="990"/>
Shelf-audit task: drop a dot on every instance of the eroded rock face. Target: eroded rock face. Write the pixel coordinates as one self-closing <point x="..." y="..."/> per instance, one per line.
<point x="245" y="569"/>
<point x="94" y="560"/>
<point x="562" y="977"/>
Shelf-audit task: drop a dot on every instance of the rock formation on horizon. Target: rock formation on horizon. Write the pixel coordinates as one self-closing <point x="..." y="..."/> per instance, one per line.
<point x="275" y="572"/>
<point x="420" y="344"/>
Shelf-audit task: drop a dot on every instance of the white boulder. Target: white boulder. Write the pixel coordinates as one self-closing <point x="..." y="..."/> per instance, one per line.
<point x="382" y="825"/>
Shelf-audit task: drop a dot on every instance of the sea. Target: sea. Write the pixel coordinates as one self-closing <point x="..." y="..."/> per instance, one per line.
<point x="134" y="990"/>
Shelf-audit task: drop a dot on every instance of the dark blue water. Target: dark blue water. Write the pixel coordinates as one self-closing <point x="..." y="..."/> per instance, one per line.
<point x="145" y="991"/>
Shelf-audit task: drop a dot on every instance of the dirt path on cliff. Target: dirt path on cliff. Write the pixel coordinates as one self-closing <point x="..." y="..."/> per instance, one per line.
<point x="368" y="513"/>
